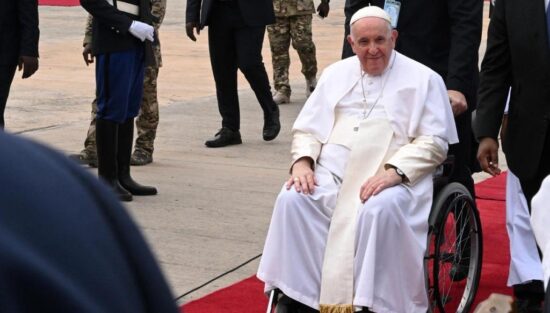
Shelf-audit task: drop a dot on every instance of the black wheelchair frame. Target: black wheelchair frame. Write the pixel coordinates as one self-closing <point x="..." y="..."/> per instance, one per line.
<point x="454" y="252"/>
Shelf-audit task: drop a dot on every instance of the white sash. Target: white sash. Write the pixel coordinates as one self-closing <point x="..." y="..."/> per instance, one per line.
<point x="369" y="150"/>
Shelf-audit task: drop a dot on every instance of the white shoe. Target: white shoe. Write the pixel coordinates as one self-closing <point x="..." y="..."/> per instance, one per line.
<point x="310" y="85"/>
<point x="280" y="98"/>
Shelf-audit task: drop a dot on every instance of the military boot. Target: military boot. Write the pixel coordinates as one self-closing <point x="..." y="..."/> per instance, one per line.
<point x="280" y="97"/>
<point x="141" y="157"/>
<point x="311" y="83"/>
<point x="85" y="157"/>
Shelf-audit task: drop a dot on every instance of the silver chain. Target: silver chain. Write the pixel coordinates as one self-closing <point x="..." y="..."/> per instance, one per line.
<point x="365" y="104"/>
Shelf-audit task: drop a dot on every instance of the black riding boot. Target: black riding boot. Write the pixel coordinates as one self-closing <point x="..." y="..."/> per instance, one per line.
<point x="125" y="139"/>
<point x="106" y="141"/>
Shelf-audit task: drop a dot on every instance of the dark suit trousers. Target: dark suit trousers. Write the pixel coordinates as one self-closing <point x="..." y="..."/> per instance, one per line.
<point x="346" y="47"/>
<point x="234" y="45"/>
<point x="6" y="77"/>
<point x="464" y="157"/>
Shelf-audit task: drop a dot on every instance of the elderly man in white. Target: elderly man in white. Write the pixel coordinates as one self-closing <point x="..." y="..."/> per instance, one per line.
<point x="349" y="227"/>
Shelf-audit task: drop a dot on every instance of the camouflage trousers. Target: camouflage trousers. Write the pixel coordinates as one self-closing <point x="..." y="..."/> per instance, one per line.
<point x="147" y="119"/>
<point x="295" y="29"/>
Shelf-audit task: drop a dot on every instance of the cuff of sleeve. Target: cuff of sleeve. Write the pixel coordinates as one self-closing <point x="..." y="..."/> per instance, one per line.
<point x="313" y="162"/>
<point x="420" y="157"/>
<point x="404" y="178"/>
<point x="87" y="40"/>
<point x="305" y="145"/>
<point x="453" y="84"/>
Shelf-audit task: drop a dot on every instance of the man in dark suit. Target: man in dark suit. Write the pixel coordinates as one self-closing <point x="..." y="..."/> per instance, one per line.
<point x="18" y="44"/>
<point x="66" y="244"/>
<point x="518" y="55"/>
<point x="236" y="31"/>
<point x="445" y="36"/>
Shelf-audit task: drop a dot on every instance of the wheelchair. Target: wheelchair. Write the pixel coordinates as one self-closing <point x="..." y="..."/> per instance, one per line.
<point x="454" y="251"/>
<point x="452" y="261"/>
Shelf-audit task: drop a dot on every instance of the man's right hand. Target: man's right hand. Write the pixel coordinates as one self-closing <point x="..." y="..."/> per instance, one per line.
<point x="189" y="30"/>
<point x="323" y="9"/>
<point x="302" y="177"/>
<point x="487" y="155"/>
<point x="28" y="64"/>
<point x="142" y="31"/>
<point x="87" y="54"/>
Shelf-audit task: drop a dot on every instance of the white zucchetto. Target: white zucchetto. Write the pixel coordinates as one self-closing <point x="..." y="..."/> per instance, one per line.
<point x="370" y="11"/>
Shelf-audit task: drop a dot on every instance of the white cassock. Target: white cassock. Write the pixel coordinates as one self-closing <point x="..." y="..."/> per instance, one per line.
<point x="525" y="263"/>
<point x="391" y="227"/>
<point x="540" y="219"/>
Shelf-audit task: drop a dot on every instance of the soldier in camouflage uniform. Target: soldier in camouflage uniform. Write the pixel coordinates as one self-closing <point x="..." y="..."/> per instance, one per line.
<point x="148" y="117"/>
<point x="293" y="23"/>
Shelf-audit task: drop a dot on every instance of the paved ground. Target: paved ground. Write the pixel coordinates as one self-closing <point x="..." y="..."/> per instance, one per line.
<point x="214" y="205"/>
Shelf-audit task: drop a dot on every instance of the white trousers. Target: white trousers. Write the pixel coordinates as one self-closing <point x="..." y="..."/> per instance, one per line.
<point x="525" y="263"/>
<point x="390" y="243"/>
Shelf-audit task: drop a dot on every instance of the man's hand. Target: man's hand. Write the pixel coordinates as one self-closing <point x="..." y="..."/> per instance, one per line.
<point x="379" y="182"/>
<point x="142" y="31"/>
<point x="302" y="177"/>
<point x="458" y="102"/>
<point x="189" y="30"/>
<point x="87" y="54"/>
<point x="28" y="64"/>
<point x="323" y="9"/>
<point x="487" y="155"/>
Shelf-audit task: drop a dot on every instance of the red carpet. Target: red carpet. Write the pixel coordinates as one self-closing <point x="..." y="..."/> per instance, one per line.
<point x="247" y="295"/>
<point x="65" y="3"/>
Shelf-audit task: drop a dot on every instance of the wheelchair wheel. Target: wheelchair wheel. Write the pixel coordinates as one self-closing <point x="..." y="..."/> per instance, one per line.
<point x="454" y="251"/>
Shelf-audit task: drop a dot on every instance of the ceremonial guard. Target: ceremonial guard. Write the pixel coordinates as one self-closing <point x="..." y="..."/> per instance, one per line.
<point x="122" y="44"/>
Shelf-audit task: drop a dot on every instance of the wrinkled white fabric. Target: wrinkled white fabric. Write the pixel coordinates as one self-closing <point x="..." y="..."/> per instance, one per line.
<point x="390" y="244"/>
<point x="525" y="263"/>
<point x="540" y="220"/>
<point x="415" y="84"/>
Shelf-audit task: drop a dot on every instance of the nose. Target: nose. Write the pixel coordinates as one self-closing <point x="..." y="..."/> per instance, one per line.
<point x="372" y="49"/>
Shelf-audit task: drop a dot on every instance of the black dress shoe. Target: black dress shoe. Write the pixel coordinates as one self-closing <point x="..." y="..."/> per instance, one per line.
<point x="224" y="137"/>
<point x="288" y="305"/>
<point x="526" y="306"/>
<point x="529" y="297"/>
<point x="272" y="125"/>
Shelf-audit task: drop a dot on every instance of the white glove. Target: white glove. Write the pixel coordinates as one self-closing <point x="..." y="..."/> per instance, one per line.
<point x="142" y="31"/>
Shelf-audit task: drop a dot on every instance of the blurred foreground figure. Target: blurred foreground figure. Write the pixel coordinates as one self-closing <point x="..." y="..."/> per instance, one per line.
<point x="66" y="244"/>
